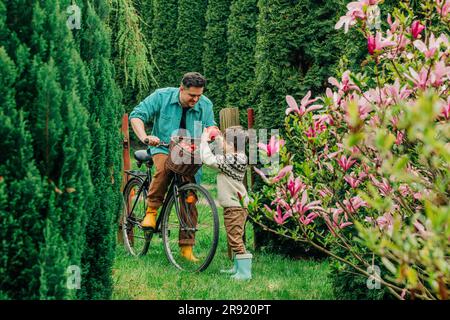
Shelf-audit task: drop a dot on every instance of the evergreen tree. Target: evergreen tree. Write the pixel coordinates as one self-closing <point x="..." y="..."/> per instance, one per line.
<point x="53" y="255"/>
<point x="297" y="49"/>
<point x="105" y="161"/>
<point x="215" y="52"/>
<point x="164" y="41"/>
<point x="145" y="11"/>
<point x="52" y="87"/>
<point x="67" y="168"/>
<point x="190" y="32"/>
<point x="241" y="55"/>
<point x="21" y="196"/>
<point x="131" y="51"/>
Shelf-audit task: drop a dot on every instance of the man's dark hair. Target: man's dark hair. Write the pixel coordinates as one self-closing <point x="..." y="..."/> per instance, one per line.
<point x="193" y="79"/>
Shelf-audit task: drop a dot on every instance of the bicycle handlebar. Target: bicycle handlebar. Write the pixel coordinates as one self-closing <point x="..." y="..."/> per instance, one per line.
<point x="160" y="144"/>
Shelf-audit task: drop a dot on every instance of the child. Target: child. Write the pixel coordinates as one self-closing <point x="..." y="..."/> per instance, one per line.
<point x="231" y="162"/>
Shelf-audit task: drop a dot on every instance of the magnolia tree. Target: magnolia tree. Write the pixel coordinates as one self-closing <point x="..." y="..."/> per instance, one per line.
<point x="365" y="168"/>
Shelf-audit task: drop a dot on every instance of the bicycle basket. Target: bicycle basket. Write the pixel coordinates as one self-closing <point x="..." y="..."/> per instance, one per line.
<point x="184" y="156"/>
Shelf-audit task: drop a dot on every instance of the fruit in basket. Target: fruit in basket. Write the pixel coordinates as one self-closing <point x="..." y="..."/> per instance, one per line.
<point x="188" y="147"/>
<point x="213" y="132"/>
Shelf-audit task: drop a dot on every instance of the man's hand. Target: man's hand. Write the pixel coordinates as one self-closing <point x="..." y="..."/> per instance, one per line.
<point x="151" y="140"/>
<point x="139" y="129"/>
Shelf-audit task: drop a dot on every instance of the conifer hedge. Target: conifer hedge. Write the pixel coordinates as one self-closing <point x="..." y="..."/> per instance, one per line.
<point x="240" y="71"/>
<point x="190" y="32"/>
<point x="215" y="52"/>
<point x="164" y="41"/>
<point x="297" y="48"/>
<point x="60" y="160"/>
<point x="105" y="160"/>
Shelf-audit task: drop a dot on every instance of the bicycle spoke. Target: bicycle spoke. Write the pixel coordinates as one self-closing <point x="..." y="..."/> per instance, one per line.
<point x="136" y="239"/>
<point x="197" y="221"/>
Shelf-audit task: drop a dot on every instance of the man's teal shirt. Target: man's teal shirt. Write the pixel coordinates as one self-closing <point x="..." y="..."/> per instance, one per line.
<point x="163" y="109"/>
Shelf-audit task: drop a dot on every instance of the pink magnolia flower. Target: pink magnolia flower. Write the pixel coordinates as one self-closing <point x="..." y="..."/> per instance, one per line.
<point x="346" y="84"/>
<point x="323" y="118"/>
<point x="303" y="206"/>
<point x="420" y="80"/>
<point x="346" y="163"/>
<point x="421" y="229"/>
<point x="375" y="44"/>
<point x="334" y="97"/>
<point x="400" y="137"/>
<point x="306" y="101"/>
<point x="364" y="107"/>
<point x="310" y="133"/>
<point x="400" y="40"/>
<point x="443" y="7"/>
<point x="393" y="25"/>
<point x="317" y="128"/>
<point x="352" y="180"/>
<point x="278" y="215"/>
<point x="445" y="110"/>
<point x="273" y="147"/>
<point x="353" y="204"/>
<point x="394" y="121"/>
<point x="385" y="222"/>
<point x="416" y="29"/>
<point x="325" y="192"/>
<point x="404" y="190"/>
<point x="353" y="150"/>
<point x="309" y="218"/>
<point x="295" y="186"/>
<point x="440" y="74"/>
<point x="384" y="187"/>
<point x="375" y="121"/>
<point x="356" y="11"/>
<point x="396" y="93"/>
<point x="340" y="220"/>
<point x="319" y="124"/>
<point x="281" y="174"/>
<point x="433" y="45"/>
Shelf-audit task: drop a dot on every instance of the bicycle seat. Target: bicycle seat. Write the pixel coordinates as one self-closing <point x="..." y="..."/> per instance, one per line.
<point x="143" y="156"/>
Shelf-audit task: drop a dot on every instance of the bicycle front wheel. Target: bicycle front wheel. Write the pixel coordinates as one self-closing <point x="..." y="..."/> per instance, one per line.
<point x="190" y="220"/>
<point x="136" y="239"/>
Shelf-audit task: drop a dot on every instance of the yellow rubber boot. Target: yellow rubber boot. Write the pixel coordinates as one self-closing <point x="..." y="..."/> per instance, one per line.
<point x="186" y="252"/>
<point x="150" y="218"/>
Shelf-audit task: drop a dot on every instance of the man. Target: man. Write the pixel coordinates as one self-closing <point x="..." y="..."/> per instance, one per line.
<point x="169" y="110"/>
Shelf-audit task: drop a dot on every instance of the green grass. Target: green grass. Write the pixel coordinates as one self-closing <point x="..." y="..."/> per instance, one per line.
<point x="274" y="276"/>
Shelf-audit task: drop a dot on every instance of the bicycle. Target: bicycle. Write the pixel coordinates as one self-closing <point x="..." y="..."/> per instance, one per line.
<point x="187" y="207"/>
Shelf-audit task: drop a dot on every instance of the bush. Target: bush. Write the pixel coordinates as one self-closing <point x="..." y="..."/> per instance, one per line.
<point x="369" y="159"/>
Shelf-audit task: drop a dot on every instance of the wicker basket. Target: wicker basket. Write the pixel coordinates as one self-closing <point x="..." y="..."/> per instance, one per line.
<point x="182" y="159"/>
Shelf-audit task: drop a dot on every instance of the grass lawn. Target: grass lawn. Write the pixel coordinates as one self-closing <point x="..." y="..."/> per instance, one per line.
<point x="274" y="276"/>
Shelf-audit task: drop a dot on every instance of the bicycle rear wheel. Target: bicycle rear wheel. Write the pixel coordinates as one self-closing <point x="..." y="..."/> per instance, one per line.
<point x="135" y="238"/>
<point x="200" y="225"/>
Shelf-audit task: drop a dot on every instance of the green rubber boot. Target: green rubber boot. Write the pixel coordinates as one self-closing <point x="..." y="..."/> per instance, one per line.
<point x="244" y="267"/>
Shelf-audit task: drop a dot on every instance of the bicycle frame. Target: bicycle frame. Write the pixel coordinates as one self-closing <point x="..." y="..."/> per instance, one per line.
<point x="172" y="190"/>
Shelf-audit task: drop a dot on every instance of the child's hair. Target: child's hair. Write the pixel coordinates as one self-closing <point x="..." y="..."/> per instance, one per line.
<point x="236" y="137"/>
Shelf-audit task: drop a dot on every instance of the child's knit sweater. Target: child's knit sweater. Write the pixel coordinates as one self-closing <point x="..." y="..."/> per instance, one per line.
<point x="231" y="169"/>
